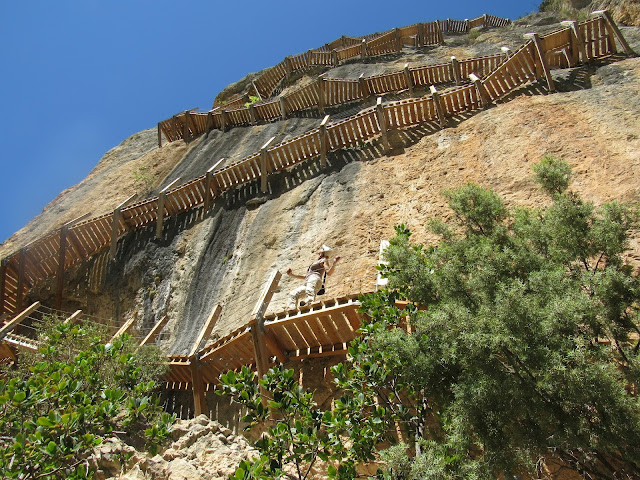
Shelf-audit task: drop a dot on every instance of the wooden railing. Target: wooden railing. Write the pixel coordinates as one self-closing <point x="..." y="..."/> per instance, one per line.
<point x="331" y="54"/>
<point x="77" y="241"/>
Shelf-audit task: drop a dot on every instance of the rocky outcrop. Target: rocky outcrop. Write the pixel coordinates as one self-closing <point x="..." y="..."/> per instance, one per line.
<point x="200" y="448"/>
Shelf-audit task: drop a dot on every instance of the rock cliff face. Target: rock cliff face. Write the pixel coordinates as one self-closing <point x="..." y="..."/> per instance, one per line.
<point x="226" y="257"/>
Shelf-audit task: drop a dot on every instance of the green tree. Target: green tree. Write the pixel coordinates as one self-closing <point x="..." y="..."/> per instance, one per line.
<point x="60" y="404"/>
<point x="524" y="348"/>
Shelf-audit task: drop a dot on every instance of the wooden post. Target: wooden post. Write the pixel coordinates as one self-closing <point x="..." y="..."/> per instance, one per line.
<point x="264" y="161"/>
<point x="382" y="121"/>
<point x="364" y="88"/>
<point x="261" y="352"/>
<point x="334" y="58"/>
<point x="115" y="226"/>
<point x="467" y="25"/>
<point x="613" y="29"/>
<point x="224" y="120"/>
<point x="197" y="384"/>
<point x="287" y="67"/>
<point x="482" y="92"/>
<point x="310" y="61"/>
<point x="187" y="132"/>
<point x="442" y="119"/>
<point x="485" y="20"/>
<point x="455" y="68"/>
<point x="208" y="183"/>
<point x="408" y="79"/>
<point x="62" y="254"/>
<point x="535" y="38"/>
<point x="420" y="35"/>
<point x="161" y="209"/>
<point x="578" y="50"/>
<point x="283" y="108"/>
<point x="363" y="49"/>
<point x="3" y="279"/>
<point x="252" y="114"/>
<point x="321" y="100"/>
<point x="323" y="141"/>
<point x="159" y="136"/>
<point x="11" y="324"/>
<point x="209" y="121"/>
<point x="21" y="265"/>
<point x="505" y="52"/>
<point x="398" y="39"/>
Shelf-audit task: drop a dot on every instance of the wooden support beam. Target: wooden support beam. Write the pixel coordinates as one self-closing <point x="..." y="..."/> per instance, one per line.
<point x="613" y="28"/>
<point x="396" y="32"/>
<point x="455" y="69"/>
<point x="382" y="121"/>
<point x="535" y="38"/>
<point x="408" y="79"/>
<point x="209" y="126"/>
<point x="364" y="88"/>
<point x="11" y="324"/>
<point x="3" y="278"/>
<point x="159" y="136"/>
<point x="420" y="35"/>
<point x="224" y="119"/>
<point x="124" y="328"/>
<point x="256" y="89"/>
<point x="62" y="254"/>
<point x="22" y="260"/>
<point x="252" y="114"/>
<point x="334" y="58"/>
<point x="206" y="329"/>
<point x="115" y="226"/>
<point x="258" y="337"/>
<point x="197" y="383"/>
<point x="480" y="89"/>
<point x="287" y="67"/>
<point x="283" y="108"/>
<point x="208" y="185"/>
<point x="363" y="49"/>
<point x="323" y="141"/>
<point x="442" y="119"/>
<point x="73" y="317"/>
<point x="162" y="197"/>
<point x="187" y="132"/>
<point x="264" y="165"/>
<point x="155" y="331"/>
<point x="321" y="99"/>
<point x="578" y="49"/>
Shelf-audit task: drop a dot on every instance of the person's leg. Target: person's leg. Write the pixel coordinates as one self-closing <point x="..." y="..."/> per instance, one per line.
<point x="314" y="282"/>
<point x="295" y="295"/>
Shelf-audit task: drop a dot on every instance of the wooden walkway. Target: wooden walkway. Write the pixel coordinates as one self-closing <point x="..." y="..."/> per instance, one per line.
<point x="575" y="43"/>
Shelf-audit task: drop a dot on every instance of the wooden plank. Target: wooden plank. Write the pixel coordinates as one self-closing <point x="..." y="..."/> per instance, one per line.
<point x="382" y="121"/>
<point x="21" y="265"/>
<point x="155" y="331"/>
<point x="535" y="38"/>
<point x="199" y="394"/>
<point x="71" y="319"/>
<point x="206" y="329"/>
<point x="615" y="31"/>
<point x="11" y="324"/>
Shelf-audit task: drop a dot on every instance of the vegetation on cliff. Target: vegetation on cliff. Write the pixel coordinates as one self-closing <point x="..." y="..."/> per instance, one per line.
<point x="516" y="353"/>
<point x="61" y="403"/>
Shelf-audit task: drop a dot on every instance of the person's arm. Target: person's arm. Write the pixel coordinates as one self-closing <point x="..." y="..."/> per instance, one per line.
<point x="291" y="274"/>
<point x="330" y="270"/>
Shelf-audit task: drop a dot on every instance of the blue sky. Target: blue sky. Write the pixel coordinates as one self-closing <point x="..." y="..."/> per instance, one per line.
<point x="79" y="77"/>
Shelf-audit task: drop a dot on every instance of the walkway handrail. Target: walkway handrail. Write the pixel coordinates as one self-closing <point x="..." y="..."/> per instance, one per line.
<point x="62" y="249"/>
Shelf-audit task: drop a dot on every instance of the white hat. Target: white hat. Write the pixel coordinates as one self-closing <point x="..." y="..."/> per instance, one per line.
<point x="326" y="250"/>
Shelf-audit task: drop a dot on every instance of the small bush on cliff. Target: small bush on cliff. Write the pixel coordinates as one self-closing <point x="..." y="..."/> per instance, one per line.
<point x="56" y="408"/>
